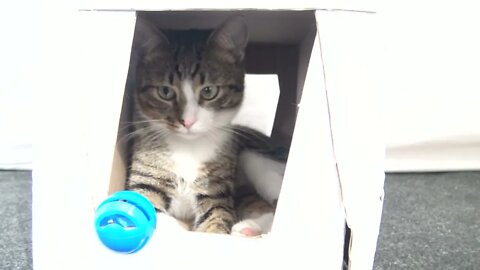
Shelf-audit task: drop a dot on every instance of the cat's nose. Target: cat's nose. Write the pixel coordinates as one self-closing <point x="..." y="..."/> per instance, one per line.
<point x="188" y="123"/>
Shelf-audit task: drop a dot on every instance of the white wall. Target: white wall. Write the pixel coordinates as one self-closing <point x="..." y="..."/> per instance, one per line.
<point x="432" y="85"/>
<point x="20" y="55"/>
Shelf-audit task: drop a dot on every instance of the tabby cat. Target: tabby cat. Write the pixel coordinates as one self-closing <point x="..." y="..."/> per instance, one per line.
<point x="195" y="167"/>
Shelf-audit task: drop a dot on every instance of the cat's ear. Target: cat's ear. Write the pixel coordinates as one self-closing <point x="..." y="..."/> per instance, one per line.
<point x="231" y="37"/>
<point x="148" y="38"/>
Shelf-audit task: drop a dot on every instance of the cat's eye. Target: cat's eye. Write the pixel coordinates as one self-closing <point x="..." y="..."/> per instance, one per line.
<point x="209" y="92"/>
<point x="166" y="93"/>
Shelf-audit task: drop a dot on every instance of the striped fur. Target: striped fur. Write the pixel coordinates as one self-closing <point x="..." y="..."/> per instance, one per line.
<point x="189" y="86"/>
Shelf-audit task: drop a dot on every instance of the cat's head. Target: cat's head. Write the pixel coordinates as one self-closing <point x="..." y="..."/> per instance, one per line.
<point x="189" y="83"/>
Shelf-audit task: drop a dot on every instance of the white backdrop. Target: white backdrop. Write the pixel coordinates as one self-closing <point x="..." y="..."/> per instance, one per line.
<point x="431" y="84"/>
<point x="19" y="64"/>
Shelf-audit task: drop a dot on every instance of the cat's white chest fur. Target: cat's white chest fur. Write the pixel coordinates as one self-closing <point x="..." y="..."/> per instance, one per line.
<point x="186" y="165"/>
<point x="189" y="156"/>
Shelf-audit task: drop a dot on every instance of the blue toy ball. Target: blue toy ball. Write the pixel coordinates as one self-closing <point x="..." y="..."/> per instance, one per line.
<point x="125" y="221"/>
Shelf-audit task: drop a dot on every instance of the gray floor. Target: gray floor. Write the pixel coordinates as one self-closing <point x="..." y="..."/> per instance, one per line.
<point x="15" y="220"/>
<point x="430" y="221"/>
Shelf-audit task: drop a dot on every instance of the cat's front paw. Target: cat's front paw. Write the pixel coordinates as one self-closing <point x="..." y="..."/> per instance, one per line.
<point x="247" y="228"/>
<point x="255" y="225"/>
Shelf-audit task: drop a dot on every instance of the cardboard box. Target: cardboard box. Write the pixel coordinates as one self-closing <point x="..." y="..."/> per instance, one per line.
<point x="325" y="60"/>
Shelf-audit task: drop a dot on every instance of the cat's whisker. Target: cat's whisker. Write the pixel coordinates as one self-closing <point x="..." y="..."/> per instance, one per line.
<point x="144" y="121"/>
<point x="128" y="136"/>
<point x="246" y="135"/>
<point x="214" y="135"/>
<point x="124" y="125"/>
<point x="154" y="134"/>
<point x="144" y="131"/>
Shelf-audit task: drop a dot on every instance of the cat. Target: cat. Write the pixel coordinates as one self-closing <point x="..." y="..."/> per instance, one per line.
<point x="196" y="168"/>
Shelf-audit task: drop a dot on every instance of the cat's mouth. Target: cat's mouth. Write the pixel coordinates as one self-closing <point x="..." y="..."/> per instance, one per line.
<point x="189" y="133"/>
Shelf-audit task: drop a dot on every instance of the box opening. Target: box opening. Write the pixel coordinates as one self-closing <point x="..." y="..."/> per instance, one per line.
<point x="280" y="44"/>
